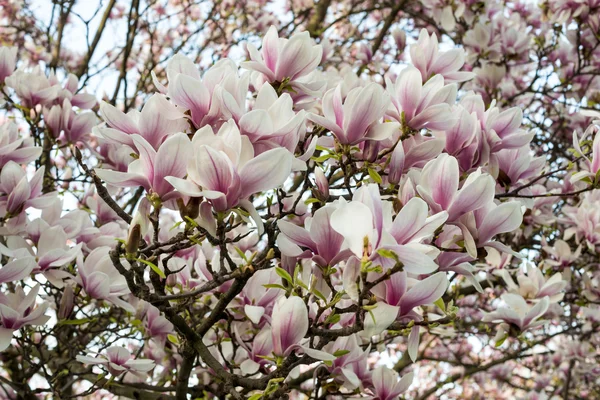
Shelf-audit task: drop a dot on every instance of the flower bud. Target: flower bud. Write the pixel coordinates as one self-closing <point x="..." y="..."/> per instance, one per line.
<point x="322" y="184"/>
<point x="133" y="240"/>
<point x="66" y="303"/>
<point x="396" y="164"/>
<point x="400" y="39"/>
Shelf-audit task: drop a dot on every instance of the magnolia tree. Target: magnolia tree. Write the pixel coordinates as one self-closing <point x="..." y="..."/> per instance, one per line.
<point x="270" y="200"/>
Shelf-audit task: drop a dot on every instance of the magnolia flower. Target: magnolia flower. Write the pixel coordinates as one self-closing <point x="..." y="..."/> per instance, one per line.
<point x="207" y="98"/>
<point x="491" y="220"/>
<point x="101" y="280"/>
<point x="17" y="269"/>
<point x="584" y="220"/>
<point x="33" y="87"/>
<point x="152" y="167"/>
<point x="15" y="148"/>
<point x="157" y="326"/>
<point x="322" y="243"/>
<point x="534" y="286"/>
<point x="518" y="313"/>
<point x="421" y="105"/>
<point x="502" y="128"/>
<point x="429" y="61"/>
<point x="592" y="166"/>
<point x="78" y="99"/>
<point x="344" y="366"/>
<point x="439" y="188"/>
<point x="18" y="310"/>
<point x="512" y="166"/>
<point x="399" y="303"/>
<point x="289" y="325"/>
<point x="52" y="251"/>
<point x="258" y="298"/>
<point x="365" y="225"/>
<point x="561" y="253"/>
<point x="262" y="347"/>
<point x="157" y="120"/>
<point x="118" y="361"/>
<point x="17" y="193"/>
<point x="272" y="122"/>
<point x="386" y="385"/>
<point x="283" y="59"/>
<point x="74" y="127"/>
<point x="357" y="118"/>
<point x="8" y="61"/>
<point x="462" y="140"/>
<point x="223" y="169"/>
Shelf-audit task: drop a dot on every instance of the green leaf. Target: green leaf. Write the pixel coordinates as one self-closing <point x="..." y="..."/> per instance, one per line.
<point x="385" y="253"/>
<point x="191" y="221"/>
<point x="176" y="225"/>
<point x="256" y="396"/>
<point x="501" y="341"/>
<point x="173" y="339"/>
<point x="319" y="295"/>
<point x="311" y="200"/>
<point x="273" y="286"/>
<point x="375" y="175"/>
<point x="323" y="158"/>
<point x="333" y="319"/>
<point x="440" y="303"/>
<point x="153" y="267"/>
<point x="240" y="253"/>
<point x="284" y="275"/>
<point x="76" y="321"/>
<point x="340" y="353"/>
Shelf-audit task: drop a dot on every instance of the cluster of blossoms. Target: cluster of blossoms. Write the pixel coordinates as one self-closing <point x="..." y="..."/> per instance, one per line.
<point x="272" y="227"/>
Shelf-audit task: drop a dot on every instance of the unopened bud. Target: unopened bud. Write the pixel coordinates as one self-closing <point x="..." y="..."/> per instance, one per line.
<point x="133" y="240"/>
<point x="396" y="164"/>
<point x="193" y="207"/>
<point x="322" y="184"/>
<point x="66" y="303"/>
<point x="400" y="39"/>
<point x="370" y="150"/>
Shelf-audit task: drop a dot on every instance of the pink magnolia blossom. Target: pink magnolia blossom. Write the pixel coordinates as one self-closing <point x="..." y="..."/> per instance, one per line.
<point x="426" y="57"/>
<point x="289" y="324"/>
<point x="17" y="310"/>
<point x="17" y="193"/>
<point x="284" y="59"/>
<point x="152" y="167"/>
<point x="17" y="269"/>
<point x="367" y="227"/>
<point x="534" y="286"/>
<point x="33" y="87"/>
<point x="357" y="117"/>
<point x="70" y="126"/>
<point x="272" y="123"/>
<point x="223" y="168"/>
<point x="8" y="61"/>
<point x="518" y="313"/>
<point x="15" y="148"/>
<point x="118" y="361"/>
<point x="157" y="326"/>
<point x="322" y="243"/>
<point x="346" y="366"/>
<point x="386" y="385"/>
<point x="439" y="183"/>
<point x="208" y="98"/>
<point x="101" y="280"/>
<point x="158" y="120"/>
<point x="421" y="105"/>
